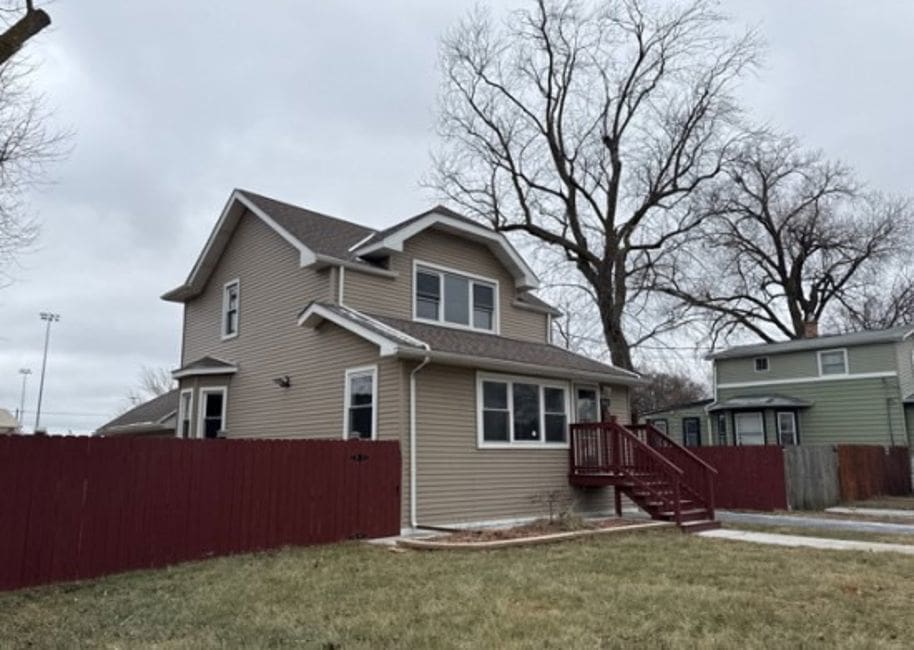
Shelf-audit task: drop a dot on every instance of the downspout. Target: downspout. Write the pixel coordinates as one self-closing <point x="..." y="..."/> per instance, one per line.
<point x="413" y="510"/>
<point x="342" y="285"/>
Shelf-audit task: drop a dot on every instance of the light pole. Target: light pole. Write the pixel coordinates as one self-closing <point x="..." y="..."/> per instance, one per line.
<point x="25" y="372"/>
<point x="50" y="318"/>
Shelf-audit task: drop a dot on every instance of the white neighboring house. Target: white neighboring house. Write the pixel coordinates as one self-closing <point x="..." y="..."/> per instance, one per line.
<point x="8" y="424"/>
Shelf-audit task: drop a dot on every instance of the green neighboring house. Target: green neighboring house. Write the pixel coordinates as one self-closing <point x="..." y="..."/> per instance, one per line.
<point x="853" y="388"/>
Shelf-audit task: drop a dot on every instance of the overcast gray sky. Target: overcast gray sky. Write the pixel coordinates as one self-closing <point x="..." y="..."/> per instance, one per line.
<point x="328" y="105"/>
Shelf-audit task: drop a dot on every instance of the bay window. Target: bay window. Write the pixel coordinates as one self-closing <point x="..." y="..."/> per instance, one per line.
<point x="521" y="411"/>
<point x="455" y="299"/>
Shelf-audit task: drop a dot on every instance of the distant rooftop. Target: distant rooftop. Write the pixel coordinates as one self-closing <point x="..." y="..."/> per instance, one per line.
<point x="817" y="343"/>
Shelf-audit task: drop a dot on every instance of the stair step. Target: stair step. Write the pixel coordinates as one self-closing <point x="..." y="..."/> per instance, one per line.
<point x="685" y="515"/>
<point x="699" y="525"/>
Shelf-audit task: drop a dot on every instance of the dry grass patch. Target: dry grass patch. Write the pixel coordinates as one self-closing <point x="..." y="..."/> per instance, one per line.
<point x="653" y="589"/>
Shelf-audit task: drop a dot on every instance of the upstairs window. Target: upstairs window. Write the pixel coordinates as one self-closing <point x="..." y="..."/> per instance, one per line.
<point x="230" y="300"/>
<point x="454" y="299"/>
<point x="761" y="364"/>
<point x="833" y="362"/>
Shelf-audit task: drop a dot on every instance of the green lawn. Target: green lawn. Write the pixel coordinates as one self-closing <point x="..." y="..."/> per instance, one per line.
<point x="657" y="589"/>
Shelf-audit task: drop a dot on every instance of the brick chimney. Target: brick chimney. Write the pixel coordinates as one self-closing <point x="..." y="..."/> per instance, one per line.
<point x="810" y="329"/>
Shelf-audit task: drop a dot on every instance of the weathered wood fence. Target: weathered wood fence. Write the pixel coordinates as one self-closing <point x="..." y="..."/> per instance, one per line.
<point x="866" y="471"/>
<point x="75" y="508"/>
<point x="812" y="477"/>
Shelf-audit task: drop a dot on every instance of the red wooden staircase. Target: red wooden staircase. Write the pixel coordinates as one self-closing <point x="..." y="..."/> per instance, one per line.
<point x="661" y="476"/>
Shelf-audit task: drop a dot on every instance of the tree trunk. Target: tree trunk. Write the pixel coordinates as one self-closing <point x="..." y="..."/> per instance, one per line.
<point x="619" y="348"/>
<point x="22" y="30"/>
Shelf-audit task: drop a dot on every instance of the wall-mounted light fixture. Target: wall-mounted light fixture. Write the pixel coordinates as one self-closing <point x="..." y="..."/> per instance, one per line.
<point x="283" y="382"/>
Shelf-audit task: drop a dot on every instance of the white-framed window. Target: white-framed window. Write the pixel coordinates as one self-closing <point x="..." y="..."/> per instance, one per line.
<point x="660" y="424"/>
<point x="749" y="428"/>
<point x="787" y="428"/>
<point x="454" y="298"/>
<point x="211" y="411"/>
<point x="185" y="413"/>
<point x="360" y="410"/>
<point x="833" y="362"/>
<point x="515" y="411"/>
<point x="231" y="299"/>
<point x="761" y="364"/>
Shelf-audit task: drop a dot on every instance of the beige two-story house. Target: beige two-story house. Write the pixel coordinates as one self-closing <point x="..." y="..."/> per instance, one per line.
<point x="297" y="324"/>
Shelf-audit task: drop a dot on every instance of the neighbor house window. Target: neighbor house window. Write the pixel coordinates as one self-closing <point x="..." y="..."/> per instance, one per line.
<point x="761" y="364"/>
<point x="722" y="428"/>
<point x="787" y="428"/>
<point x="185" y="413"/>
<point x="833" y="362"/>
<point x="455" y="299"/>
<point x="212" y="412"/>
<point x="660" y="424"/>
<point x="361" y="408"/>
<point x="517" y="410"/>
<point x="230" y="299"/>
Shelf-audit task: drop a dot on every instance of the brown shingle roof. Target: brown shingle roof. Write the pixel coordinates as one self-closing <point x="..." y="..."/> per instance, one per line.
<point x="323" y="234"/>
<point x="490" y="346"/>
<point x="151" y="412"/>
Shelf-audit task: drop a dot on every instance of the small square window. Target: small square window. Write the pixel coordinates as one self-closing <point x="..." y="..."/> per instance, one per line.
<point x="761" y="364"/>
<point x="833" y="362"/>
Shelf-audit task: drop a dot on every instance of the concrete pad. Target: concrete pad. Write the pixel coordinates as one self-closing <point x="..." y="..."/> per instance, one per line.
<point x="731" y="517"/>
<point x="798" y="541"/>
<point x="873" y="512"/>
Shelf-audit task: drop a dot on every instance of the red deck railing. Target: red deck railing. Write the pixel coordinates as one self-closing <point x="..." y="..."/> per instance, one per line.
<point x="608" y="452"/>
<point x="698" y="475"/>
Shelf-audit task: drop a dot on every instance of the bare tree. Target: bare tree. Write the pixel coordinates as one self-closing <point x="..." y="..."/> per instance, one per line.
<point x="588" y="127"/>
<point x="665" y="389"/>
<point x="27" y="144"/>
<point x="152" y="383"/>
<point x="885" y="299"/>
<point x="793" y="238"/>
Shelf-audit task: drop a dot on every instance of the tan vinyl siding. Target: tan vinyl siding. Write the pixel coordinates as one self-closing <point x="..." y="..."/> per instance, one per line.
<point x="394" y="296"/>
<point x="798" y="365"/>
<point x="271" y="344"/>
<point x="457" y="482"/>
<point x="855" y="411"/>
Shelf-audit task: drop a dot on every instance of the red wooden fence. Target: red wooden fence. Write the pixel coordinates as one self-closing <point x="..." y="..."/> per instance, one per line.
<point x="866" y="471"/>
<point x="748" y="478"/>
<point x="75" y="508"/>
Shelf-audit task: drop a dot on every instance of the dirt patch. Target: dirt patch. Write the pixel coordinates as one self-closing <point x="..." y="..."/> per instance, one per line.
<point x="533" y="529"/>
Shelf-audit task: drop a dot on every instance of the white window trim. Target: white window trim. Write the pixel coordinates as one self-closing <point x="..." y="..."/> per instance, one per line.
<point x="496" y="300"/>
<point x="182" y="414"/>
<point x="542" y="383"/>
<point x="737" y="434"/>
<point x="843" y="351"/>
<point x="767" y="364"/>
<point x="796" y="432"/>
<point x="201" y="408"/>
<point x="347" y="396"/>
<point x="226" y="336"/>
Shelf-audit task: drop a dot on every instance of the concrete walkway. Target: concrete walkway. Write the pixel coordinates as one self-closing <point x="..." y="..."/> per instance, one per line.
<point x="823" y="523"/>
<point x="798" y="541"/>
<point x="873" y="512"/>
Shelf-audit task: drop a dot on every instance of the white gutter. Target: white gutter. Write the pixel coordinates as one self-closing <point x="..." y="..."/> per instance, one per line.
<point x="342" y="285"/>
<point x="413" y="510"/>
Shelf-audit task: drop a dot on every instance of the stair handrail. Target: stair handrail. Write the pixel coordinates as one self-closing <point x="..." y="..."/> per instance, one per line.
<point x="657" y="432"/>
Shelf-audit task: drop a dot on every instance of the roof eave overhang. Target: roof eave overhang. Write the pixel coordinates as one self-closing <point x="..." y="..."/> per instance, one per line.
<point x="549" y="311"/>
<point x="315" y="314"/>
<point x="520" y="367"/>
<point x="524" y="276"/>
<point x="206" y="262"/>
<point x="204" y="372"/>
